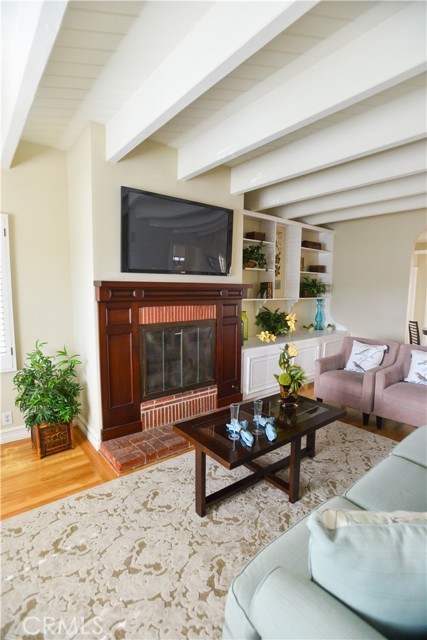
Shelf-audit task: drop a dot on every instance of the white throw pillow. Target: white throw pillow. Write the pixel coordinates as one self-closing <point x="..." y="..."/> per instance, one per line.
<point x="418" y="369"/>
<point x="365" y="356"/>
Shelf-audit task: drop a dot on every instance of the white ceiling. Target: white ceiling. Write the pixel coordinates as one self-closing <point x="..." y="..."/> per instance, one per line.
<point x="318" y="108"/>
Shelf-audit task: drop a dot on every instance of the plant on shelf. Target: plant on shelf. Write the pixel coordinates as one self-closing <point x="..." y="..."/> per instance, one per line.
<point x="48" y="393"/>
<point x="254" y="257"/>
<point x="311" y="287"/>
<point x="275" y="323"/>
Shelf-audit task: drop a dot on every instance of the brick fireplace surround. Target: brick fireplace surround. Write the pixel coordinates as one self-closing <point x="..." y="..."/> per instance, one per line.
<point x="136" y="434"/>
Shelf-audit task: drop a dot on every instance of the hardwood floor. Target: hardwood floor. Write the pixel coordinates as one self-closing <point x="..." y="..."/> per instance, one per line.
<point x="27" y="482"/>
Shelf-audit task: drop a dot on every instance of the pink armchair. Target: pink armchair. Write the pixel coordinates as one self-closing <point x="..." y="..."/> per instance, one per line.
<point x="354" y="389"/>
<point x="398" y="400"/>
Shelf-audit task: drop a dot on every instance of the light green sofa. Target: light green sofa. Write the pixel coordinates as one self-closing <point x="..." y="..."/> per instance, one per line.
<point x="275" y="596"/>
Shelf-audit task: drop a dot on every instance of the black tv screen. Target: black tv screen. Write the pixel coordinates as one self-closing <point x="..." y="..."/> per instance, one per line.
<point x="161" y="234"/>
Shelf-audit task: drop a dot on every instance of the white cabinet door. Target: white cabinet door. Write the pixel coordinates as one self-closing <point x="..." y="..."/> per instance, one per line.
<point x="308" y="352"/>
<point x="258" y="373"/>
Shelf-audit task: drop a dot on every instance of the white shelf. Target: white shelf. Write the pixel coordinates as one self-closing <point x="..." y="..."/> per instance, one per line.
<point x="287" y="260"/>
<point x="252" y="241"/>
<point x="310" y="250"/>
<point x="315" y="273"/>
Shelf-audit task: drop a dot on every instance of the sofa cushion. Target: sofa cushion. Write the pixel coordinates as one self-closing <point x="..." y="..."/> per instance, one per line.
<point x="277" y="612"/>
<point x="413" y="447"/>
<point x="376" y="565"/>
<point x="405" y="393"/>
<point x="365" y="356"/>
<point x="418" y="369"/>
<point x="394" y="483"/>
<point x="348" y="382"/>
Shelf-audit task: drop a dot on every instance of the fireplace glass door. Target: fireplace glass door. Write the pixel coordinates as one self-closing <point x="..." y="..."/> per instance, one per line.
<point x="177" y="358"/>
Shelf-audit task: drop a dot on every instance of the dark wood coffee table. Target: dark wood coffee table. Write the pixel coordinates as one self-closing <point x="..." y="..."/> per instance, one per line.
<point x="209" y="436"/>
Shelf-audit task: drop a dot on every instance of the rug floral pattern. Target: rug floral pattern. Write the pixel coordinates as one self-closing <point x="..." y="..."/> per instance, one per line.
<point x="131" y="559"/>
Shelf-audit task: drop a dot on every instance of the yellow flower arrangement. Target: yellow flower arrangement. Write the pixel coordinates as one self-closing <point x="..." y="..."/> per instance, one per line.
<point x="292" y="376"/>
<point x="266" y="336"/>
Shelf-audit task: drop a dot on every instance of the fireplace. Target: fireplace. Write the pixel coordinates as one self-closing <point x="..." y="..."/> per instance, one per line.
<point x="175" y="358"/>
<point x="140" y="326"/>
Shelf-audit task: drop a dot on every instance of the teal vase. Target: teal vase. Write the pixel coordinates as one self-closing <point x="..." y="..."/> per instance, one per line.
<point x="318" y="318"/>
<point x="245" y="327"/>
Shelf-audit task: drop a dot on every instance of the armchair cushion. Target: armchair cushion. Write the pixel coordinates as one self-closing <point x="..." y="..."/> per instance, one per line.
<point x="418" y="369"/>
<point x="398" y="400"/>
<point x="369" y="561"/>
<point x="365" y="356"/>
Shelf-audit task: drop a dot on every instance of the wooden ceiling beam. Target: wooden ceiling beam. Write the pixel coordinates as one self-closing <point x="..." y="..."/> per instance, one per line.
<point x="381" y="57"/>
<point x="225" y="37"/>
<point x="40" y="25"/>
<point x="383" y="191"/>
<point x="397" y="122"/>
<point x="392" y="164"/>
<point x="412" y="203"/>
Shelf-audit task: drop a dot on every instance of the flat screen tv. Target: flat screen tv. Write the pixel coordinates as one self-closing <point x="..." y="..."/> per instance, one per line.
<point x="161" y="234"/>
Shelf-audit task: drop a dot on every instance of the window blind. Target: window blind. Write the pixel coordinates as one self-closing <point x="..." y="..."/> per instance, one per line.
<point x="7" y="333"/>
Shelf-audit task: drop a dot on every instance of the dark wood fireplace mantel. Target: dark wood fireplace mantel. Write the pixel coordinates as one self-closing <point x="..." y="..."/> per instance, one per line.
<point x="118" y="312"/>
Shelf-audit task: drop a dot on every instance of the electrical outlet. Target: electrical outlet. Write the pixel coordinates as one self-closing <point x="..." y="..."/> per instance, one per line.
<point x="6" y="418"/>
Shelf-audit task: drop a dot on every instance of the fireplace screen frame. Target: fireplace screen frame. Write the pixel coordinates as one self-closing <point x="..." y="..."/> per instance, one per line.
<point x="165" y="330"/>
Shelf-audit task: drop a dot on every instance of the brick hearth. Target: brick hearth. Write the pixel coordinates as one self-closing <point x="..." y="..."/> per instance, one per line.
<point x="143" y="448"/>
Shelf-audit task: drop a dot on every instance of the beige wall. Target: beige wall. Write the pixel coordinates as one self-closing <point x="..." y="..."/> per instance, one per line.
<point x="80" y="199"/>
<point x="372" y="259"/>
<point x="34" y="194"/>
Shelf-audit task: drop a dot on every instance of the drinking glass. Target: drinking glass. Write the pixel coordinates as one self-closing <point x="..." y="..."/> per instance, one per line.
<point x="257" y="416"/>
<point x="234" y="419"/>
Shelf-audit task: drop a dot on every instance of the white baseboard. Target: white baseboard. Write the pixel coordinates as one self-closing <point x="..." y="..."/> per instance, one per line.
<point x="20" y="432"/>
<point x="13" y="432"/>
<point x="93" y="436"/>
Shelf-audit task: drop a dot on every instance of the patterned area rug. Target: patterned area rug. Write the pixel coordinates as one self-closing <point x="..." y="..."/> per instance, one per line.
<point x="131" y="559"/>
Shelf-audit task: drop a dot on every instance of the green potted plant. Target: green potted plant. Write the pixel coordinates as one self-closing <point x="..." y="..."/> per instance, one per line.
<point x="48" y="397"/>
<point x="275" y="322"/>
<point x="254" y="257"/>
<point x="311" y="287"/>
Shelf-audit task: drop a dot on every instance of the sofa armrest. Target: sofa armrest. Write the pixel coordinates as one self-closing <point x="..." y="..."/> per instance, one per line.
<point x="287" y="607"/>
<point x="368" y="387"/>
<point x="388" y="376"/>
<point x="329" y="363"/>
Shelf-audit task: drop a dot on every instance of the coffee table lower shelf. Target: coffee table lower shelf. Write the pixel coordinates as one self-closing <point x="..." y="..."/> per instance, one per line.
<point x="268" y="473"/>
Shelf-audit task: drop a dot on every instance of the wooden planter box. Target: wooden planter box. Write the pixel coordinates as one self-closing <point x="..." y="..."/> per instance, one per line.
<point x="51" y="438"/>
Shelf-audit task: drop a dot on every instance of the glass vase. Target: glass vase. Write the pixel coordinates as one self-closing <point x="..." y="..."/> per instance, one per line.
<point x="245" y="325"/>
<point x="318" y="318"/>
